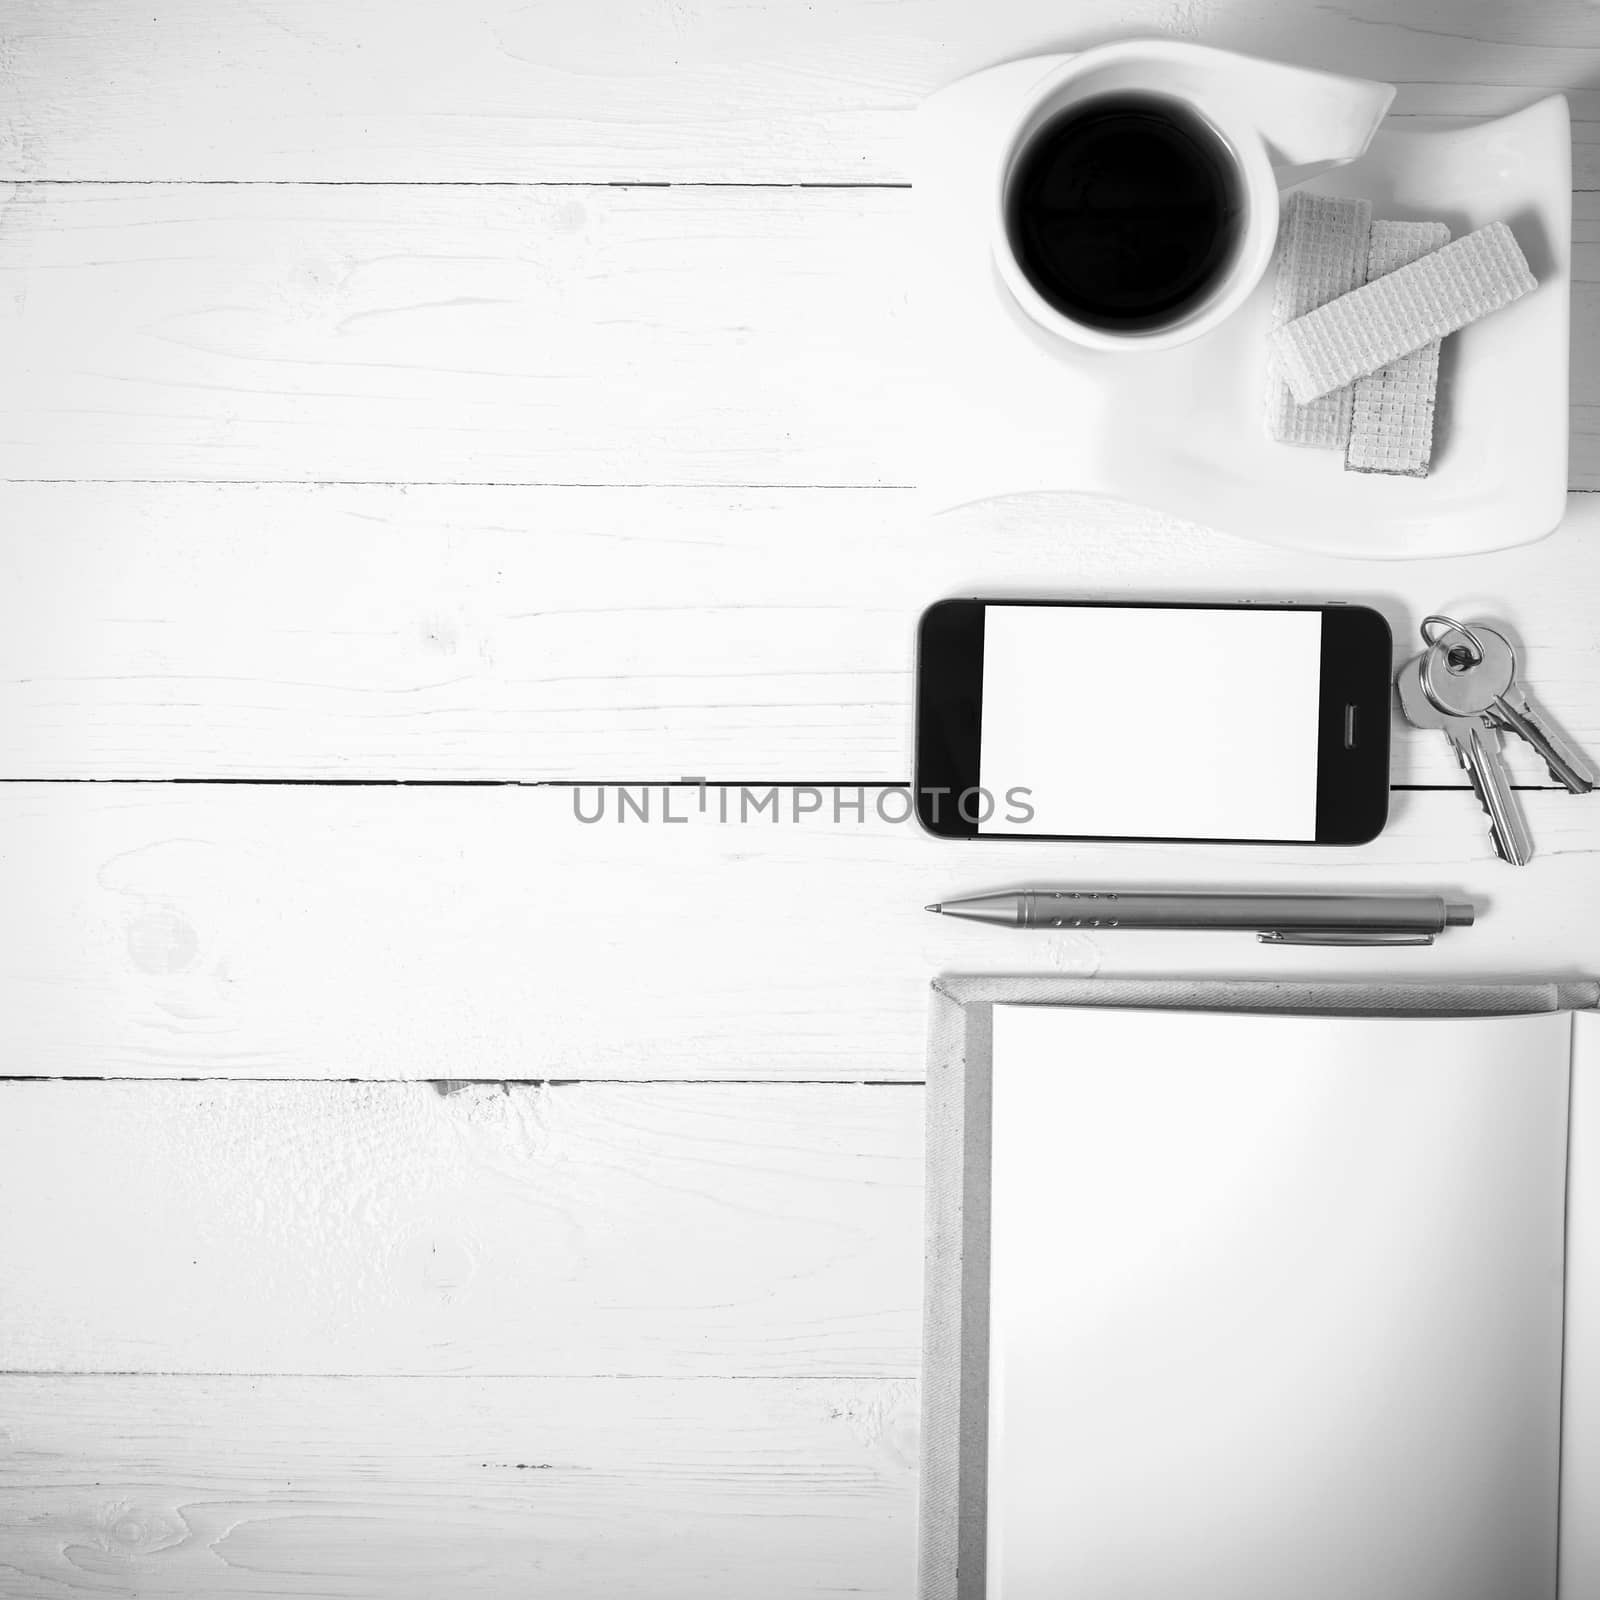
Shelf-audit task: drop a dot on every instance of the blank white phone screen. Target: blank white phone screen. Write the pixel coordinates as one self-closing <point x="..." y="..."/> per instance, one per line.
<point x="1149" y="722"/>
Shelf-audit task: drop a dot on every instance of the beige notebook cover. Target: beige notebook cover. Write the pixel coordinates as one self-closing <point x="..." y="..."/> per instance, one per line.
<point x="1252" y="1290"/>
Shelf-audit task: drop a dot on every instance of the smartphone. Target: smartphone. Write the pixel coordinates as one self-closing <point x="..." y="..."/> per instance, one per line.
<point x="1207" y="723"/>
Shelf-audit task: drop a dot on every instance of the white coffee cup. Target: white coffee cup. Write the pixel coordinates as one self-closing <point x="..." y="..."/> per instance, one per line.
<point x="1281" y="125"/>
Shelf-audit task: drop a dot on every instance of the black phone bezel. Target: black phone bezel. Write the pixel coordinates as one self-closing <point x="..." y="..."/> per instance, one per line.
<point x="1352" y="728"/>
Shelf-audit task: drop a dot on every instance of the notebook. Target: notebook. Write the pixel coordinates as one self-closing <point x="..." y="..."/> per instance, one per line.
<point x="1274" y="1304"/>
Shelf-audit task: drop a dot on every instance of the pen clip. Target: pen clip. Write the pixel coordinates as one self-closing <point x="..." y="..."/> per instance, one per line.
<point x="1342" y="936"/>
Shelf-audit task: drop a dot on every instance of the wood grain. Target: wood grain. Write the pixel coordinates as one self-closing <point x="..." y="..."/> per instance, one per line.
<point x="589" y="1229"/>
<point x="414" y="1488"/>
<point x="251" y="631"/>
<point x="572" y="335"/>
<point x="409" y="90"/>
<point x="568" y="335"/>
<point x="336" y="933"/>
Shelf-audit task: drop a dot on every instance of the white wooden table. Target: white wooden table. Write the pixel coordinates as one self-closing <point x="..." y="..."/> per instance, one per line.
<point x="409" y="408"/>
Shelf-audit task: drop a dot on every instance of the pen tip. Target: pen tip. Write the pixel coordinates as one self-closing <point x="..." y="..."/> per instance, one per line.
<point x="933" y="908"/>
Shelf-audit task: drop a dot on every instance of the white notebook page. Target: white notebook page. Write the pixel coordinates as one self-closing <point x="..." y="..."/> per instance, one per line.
<point x="1580" y="1394"/>
<point x="1275" y="1306"/>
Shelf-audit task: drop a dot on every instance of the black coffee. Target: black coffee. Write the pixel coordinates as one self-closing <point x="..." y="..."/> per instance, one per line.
<point x="1125" y="211"/>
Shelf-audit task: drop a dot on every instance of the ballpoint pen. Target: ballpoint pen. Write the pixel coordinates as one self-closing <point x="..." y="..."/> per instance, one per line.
<point x="1330" y="919"/>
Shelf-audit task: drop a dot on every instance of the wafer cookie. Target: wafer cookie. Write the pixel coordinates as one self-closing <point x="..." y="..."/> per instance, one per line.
<point x="1322" y="254"/>
<point x="1389" y="318"/>
<point x="1391" y="418"/>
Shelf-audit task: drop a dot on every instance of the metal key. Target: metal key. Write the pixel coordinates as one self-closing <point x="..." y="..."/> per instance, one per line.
<point x="1489" y="687"/>
<point x="1477" y="746"/>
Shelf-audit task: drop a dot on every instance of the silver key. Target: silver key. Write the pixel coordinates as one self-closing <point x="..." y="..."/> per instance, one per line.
<point x="1489" y="687"/>
<point x="1477" y="746"/>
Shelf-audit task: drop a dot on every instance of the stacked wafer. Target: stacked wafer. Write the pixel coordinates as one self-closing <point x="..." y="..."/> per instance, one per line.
<point x="1359" y="311"/>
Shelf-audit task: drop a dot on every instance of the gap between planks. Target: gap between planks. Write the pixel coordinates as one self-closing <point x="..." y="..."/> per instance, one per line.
<point x="445" y="1087"/>
<point x="266" y="1374"/>
<point x="446" y="183"/>
<point x="666" y="485"/>
<point x="607" y="783"/>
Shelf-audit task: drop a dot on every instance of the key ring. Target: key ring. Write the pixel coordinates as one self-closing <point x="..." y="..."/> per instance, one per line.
<point x="1450" y="625"/>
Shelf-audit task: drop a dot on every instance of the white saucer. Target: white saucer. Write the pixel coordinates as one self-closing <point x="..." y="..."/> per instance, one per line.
<point x="1013" y="409"/>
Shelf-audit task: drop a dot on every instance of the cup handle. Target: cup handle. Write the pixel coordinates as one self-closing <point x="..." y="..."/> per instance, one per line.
<point x="1309" y="121"/>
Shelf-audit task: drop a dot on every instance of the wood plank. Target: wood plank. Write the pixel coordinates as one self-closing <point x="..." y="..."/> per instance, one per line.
<point x="593" y="1229"/>
<point x="476" y="334"/>
<point x="336" y="933"/>
<point x="726" y="336"/>
<point x="721" y="91"/>
<point x="528" y="634"/>
<point x="413" y="1488"/>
